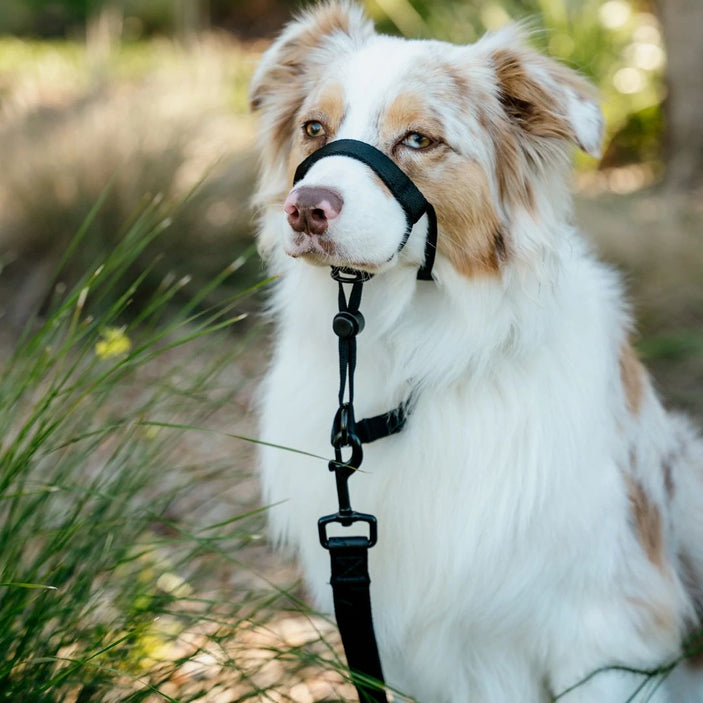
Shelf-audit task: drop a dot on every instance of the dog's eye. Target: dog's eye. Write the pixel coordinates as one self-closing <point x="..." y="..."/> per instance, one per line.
<point x="314" y="129"/>
<point x="416" y="141"/>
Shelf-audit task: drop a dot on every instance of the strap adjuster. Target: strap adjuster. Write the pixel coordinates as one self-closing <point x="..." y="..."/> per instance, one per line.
<point x="347" y="519"/>
<point x="346" y="324"/>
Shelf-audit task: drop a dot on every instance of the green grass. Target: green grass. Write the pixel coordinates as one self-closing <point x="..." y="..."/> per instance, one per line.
<point x="104" y="594"/>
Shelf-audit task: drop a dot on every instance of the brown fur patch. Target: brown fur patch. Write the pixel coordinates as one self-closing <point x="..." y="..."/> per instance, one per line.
<point x="471" y="234"/>
<point x="293" y="64"/>
<point x="633" y="376"/>
<point x="668" y="474"/>
<point x="647" y="521"/>
<point x="407" y="114"/>
<point x="526" y="102"/>
<point x="331" y="105"/>
<point x="314" y="28"/>
<point x="328" y="108"/>
<point x="460" y="83"/>
<point x="333" y="17"/>
<point x="532" y="105"/>
<point x="511" y="173"/>
<point x="472" y="237"/>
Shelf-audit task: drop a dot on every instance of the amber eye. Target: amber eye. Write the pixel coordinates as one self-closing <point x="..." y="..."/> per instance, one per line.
<point x="416" y="141"/>
<point x="314" y="129"/>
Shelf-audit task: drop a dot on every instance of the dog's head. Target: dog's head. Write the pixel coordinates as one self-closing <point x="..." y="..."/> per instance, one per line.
<point x="483" y="130"/>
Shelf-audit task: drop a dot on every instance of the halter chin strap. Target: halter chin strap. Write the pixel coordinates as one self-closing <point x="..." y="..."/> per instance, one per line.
<point x="408" y="195"/>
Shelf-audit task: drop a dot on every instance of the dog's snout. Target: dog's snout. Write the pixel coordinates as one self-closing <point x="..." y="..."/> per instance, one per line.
<point x="310" y="209"/>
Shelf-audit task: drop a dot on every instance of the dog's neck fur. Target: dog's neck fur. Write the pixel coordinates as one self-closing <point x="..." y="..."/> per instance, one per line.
<point x="497" y="320"/>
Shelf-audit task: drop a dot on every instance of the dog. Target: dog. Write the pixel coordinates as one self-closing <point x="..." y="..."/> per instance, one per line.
<point x="540" y="521"/>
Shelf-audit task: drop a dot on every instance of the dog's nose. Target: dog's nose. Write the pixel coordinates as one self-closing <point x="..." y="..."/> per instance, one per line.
<point x="310" y="209"/>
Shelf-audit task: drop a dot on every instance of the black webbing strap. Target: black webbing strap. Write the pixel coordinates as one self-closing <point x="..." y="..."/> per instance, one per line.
<point x="408" y="195"/>
<point x="352" y="608"/>
<point x="349" y="555"/>
<point x="379" y="426"/>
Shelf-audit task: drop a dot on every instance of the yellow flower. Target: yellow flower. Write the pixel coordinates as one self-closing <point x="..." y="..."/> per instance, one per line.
<point x="113" y="343"/>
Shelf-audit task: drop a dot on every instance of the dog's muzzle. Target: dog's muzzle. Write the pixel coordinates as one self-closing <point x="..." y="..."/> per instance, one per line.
<point x="408" y="195"/>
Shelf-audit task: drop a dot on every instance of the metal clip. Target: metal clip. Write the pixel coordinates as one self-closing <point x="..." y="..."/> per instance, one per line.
<point x="343" y="426"/>
<point x="346" y="519"/>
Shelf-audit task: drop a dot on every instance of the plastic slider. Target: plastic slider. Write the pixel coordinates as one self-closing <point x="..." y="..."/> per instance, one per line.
<point x="348" y="324"/>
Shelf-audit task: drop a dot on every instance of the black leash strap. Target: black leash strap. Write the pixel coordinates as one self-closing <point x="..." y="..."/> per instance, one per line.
<point x="352" y="608"/>
<point x="408" y="195"/>
<point x="349" y="555"/>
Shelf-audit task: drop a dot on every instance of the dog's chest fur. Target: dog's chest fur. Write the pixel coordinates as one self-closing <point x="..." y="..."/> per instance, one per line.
<point x="538" y="513"/>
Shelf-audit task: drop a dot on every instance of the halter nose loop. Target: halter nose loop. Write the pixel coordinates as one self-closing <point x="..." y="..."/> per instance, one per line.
<point x="408" y="195"/>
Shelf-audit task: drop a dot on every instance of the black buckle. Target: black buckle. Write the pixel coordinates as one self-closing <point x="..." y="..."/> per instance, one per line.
<point x="347" y="519"/>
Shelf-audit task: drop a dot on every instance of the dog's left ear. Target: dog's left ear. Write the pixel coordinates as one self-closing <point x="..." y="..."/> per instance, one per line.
<point x="544" y="98"/>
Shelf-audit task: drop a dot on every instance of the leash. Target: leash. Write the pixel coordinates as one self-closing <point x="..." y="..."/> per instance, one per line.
<point x="349" y="555"/>
<point x="350" y="579"/>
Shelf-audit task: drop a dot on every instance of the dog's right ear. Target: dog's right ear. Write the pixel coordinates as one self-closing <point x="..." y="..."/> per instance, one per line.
<point x="286" y="75"/>
<point x="290" y="66"/>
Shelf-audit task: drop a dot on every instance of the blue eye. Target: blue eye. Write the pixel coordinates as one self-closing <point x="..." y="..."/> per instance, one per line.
<point x="314" y="129"/>
<point x="416" y="141"/>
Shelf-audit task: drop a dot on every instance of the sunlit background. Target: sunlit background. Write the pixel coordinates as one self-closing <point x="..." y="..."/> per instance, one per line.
<point x="154" y="96"/>
<point x="140" y="106"/>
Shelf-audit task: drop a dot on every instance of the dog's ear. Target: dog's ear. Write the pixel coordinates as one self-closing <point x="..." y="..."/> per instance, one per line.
<point x="288" y="72"/>
<point x="301" y="52"/>
<point x="542" y="97"/>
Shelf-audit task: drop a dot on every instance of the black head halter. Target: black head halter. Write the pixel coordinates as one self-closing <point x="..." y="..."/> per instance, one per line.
<point x="407" y="194"/>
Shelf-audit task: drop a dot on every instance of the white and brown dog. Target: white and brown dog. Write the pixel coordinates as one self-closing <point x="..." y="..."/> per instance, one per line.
<point x="540" y="515"/>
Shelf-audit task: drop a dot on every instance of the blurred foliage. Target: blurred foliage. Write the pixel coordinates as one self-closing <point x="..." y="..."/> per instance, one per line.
<point x="152" y="120"/>
<point x="144" y="18"/>
<point x="111" y="591"/>
<point x="167" y="118"/>
<point x="617" y="43"/>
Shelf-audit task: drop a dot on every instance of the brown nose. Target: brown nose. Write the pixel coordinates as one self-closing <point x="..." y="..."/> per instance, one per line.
<point x="310" y="209"/>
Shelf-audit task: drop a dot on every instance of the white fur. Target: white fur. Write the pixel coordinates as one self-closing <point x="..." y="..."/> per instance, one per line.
<point x="508" y="566"/>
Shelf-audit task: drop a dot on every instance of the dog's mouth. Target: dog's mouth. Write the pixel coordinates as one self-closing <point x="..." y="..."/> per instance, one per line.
<point x="302" y="244"/>
<point x="322" y="251"/>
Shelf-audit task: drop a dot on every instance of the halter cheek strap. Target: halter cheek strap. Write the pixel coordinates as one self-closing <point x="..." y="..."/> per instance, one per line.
<point x="408" y="195"/>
